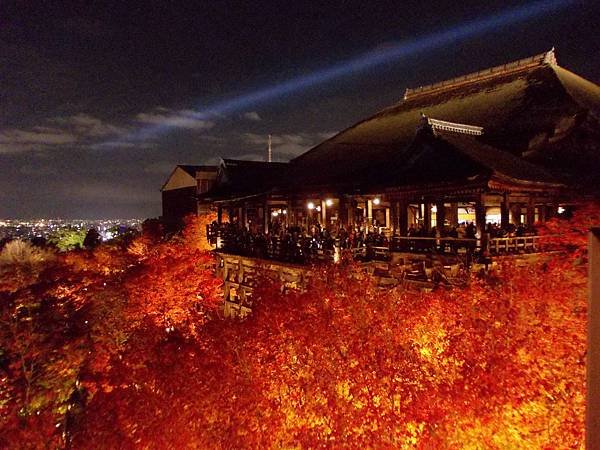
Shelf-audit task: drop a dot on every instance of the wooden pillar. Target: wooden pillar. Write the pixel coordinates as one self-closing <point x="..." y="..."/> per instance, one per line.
<point x="542" y="215"/>
<point x="369" y="212"/>
<point x="440" y="215"/>
<point x="242" y="216"/>
<point x="310" y="218"/>
<point x="480" y="222"/>
<point x="516" y="214"/>
<point x="592" y="428"/>
<point x="427" y="216"/>
<point x="388" y="221"/>
<point x="394" y="213"/>
<point x="290" y="216"/>
<point x="266" y="218"/>
<point x="504" y="211"/>
<point x="343" y="212"/>
<point x="453" y="214"/>
<point x="530" y="211"/>
<point x="403" y="217"/>
<point x="351" y="210"/>
<point x="480" y="214"/>
<point x="323" y="214"/>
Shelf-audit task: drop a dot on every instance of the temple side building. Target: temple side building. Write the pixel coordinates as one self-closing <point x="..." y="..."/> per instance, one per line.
<point x="183" y="188"/>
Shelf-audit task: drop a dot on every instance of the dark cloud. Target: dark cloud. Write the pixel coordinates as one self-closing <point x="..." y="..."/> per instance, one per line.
<point x="88" y="126"/>
<point x="36" y="138"/>
<point x="186" y="119"/>
<point x="252" y="116"/>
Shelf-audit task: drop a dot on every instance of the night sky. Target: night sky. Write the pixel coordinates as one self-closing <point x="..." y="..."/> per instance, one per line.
<point x="97" y="103"/>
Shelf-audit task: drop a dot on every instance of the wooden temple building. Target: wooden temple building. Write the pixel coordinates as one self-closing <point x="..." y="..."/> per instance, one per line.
<point x="183" y="189"/>
<point x="510" y="145"/>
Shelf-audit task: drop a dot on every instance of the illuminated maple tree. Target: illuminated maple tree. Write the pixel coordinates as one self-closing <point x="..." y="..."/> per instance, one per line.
<point x="126" y="349"/>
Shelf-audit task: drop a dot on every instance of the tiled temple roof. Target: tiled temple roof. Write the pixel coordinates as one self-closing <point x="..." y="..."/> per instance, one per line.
<point x="527" y="108"/>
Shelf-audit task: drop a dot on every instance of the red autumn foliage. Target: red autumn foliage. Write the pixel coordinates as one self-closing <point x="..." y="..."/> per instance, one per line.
<point x="127" y="350"/>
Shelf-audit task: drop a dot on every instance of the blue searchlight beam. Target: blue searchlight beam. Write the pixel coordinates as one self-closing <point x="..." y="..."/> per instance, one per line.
<point x="365" y="61"/>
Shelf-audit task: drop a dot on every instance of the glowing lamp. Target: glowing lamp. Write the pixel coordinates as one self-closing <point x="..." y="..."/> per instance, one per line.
<point x="434" y="209"/>
<point x="376" y="201"/>
<point x="561" y="210"/>
<point x="310" y="205"/>
<point x="329" y="202"/>
<point x="318" y="208"/>
<point x="284" y="212"/>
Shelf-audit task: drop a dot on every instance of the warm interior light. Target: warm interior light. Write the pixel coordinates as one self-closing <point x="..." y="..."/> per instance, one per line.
<point x="561" y="210"/>
<point x="434" y="208"/>
<point x="329" y="202"/>
<point x="284" y="211"/>
<point x="318" y="208"/>
<point x="376" y="201"/>
<point x="275" y="213"/>
<point x="310" y="205"/>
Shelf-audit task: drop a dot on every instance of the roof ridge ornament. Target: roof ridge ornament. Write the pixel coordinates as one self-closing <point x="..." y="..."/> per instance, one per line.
<point x="443" y="125"/>
<point x="550" y="57"/>
<point x="542" y="59"/>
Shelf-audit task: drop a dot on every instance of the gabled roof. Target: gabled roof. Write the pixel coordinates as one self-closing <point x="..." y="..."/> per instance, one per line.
<point x="500" y="163"/>
<point x="521" y="106"/>
<point x="184" y="176"/>
<point x="439" y="157"/>
<point x="245" y="178"/>
<point x="446" y="156"/>
<point x="193" y="169"/>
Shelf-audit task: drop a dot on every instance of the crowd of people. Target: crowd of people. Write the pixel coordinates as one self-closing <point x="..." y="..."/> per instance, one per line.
<point x="300" y="244"/>
<point x="468" y="230"/>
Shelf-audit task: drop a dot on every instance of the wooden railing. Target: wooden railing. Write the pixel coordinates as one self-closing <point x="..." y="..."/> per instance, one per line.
<point x="419" y="244"/>
<point x="304" y="249"/>
<point x="512" y="245"/>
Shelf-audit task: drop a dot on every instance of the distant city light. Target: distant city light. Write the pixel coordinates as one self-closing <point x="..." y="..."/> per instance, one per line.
<point x="46" y="228"/>
<point x="107" y="235"/>
<point x="376" y="201"/>
<point x="310" y="205"/>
